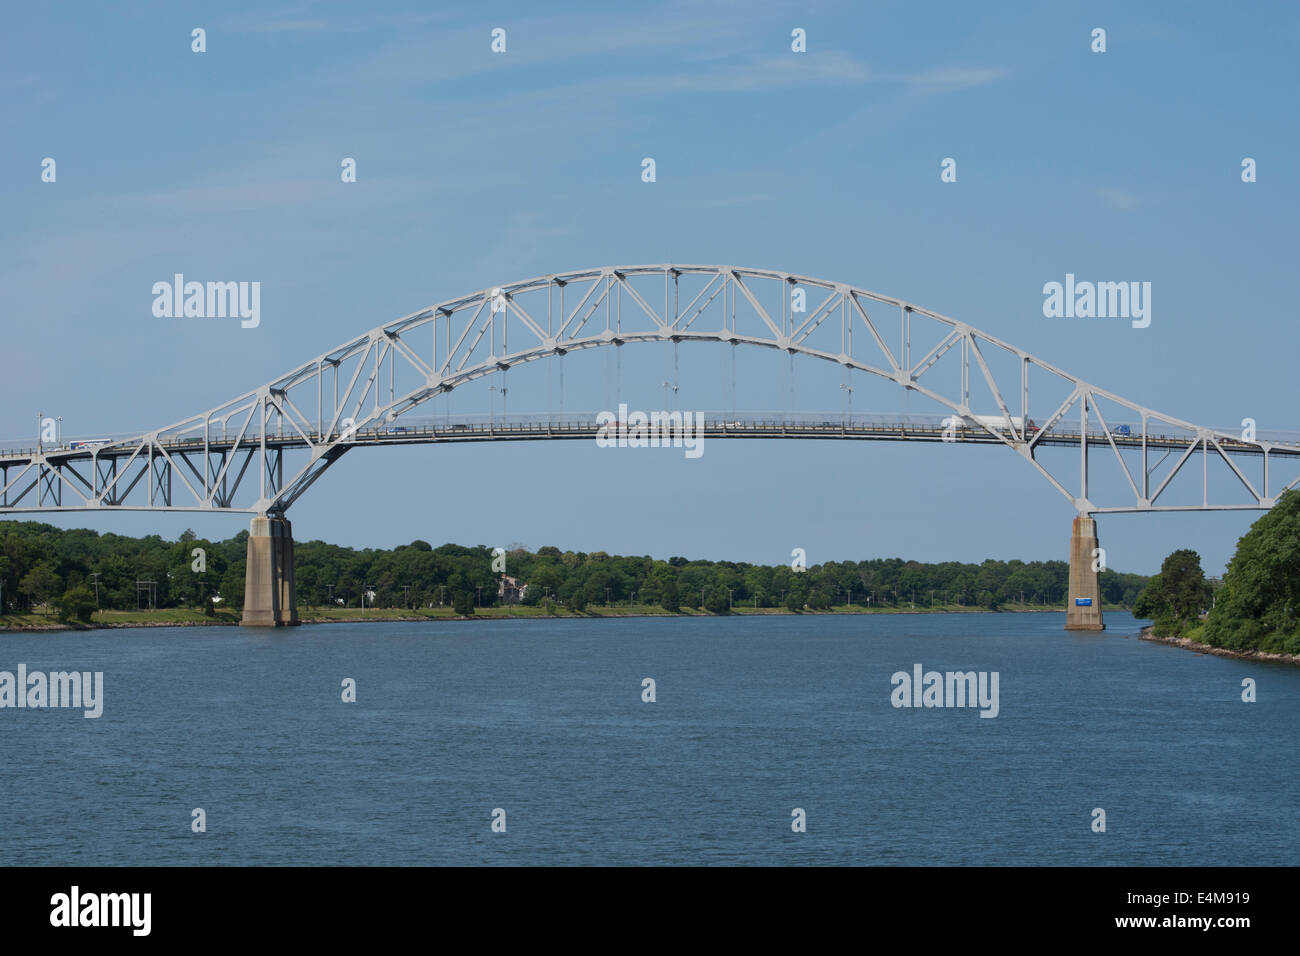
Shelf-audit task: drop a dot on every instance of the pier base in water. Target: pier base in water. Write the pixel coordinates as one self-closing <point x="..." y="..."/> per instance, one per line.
<point x="1083" y="600"/>
<point x="270" y="597"/>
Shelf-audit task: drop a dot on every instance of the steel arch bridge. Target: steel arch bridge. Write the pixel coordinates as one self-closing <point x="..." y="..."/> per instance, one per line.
<point x="259" y="452"/>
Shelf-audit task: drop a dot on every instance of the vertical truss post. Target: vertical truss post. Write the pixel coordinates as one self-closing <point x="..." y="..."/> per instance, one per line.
<point x="1146" y="467"/>
<point x="1024" y="394"/>
<point x="261" y="404"/>
<point x="1084" y="398"/>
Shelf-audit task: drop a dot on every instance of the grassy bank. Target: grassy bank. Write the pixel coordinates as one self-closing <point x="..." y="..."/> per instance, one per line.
<point x="625" y="610"/>
<point x="163" y="617"/>
<point x="185" y="617"/>
<point x="1194" y="640"/>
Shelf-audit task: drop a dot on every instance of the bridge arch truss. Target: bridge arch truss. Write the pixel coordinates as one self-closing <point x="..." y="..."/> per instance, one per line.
<point x="259" y="452"/>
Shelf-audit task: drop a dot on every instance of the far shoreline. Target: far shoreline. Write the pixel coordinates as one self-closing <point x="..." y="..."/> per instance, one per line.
<point x="416" y="617"/>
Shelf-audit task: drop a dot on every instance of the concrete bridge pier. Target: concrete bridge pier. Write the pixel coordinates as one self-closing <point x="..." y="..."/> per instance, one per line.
<point x="270" y="598"/>
<point x="1083" y="600"/>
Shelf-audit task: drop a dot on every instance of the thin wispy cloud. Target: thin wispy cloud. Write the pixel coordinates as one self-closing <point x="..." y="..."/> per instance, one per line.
<point x="1115" y="198"/>
<point x="720" y="202"/>
<point x="946" y="80"/>
<point x="290" y="26"/>
<point x="222" y="198"/>
<point x="281" y="23"/>
<point x="789" y="72"/>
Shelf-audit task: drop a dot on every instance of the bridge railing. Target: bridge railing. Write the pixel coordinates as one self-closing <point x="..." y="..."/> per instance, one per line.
<point x="556" y="421"/>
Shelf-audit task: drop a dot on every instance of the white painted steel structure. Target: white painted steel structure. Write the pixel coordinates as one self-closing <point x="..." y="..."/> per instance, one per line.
<point x="259" y="452"/>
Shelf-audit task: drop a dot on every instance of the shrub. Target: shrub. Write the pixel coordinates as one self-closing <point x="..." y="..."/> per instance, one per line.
<point x="77" y="604"/>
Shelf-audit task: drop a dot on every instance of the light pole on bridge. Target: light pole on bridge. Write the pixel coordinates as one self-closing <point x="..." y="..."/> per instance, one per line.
<point x="492" y="389"/>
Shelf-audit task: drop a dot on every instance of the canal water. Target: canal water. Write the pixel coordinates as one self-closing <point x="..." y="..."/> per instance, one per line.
<point x="753" y="719"/>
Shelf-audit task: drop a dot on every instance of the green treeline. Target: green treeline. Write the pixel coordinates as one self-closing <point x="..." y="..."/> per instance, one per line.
<point x="75" y="571"/>
<point x="1258" y="606"/>
<point x="43" y="565"/>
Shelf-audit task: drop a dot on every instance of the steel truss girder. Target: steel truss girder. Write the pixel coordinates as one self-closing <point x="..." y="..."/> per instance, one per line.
<point x="204" y="462"/>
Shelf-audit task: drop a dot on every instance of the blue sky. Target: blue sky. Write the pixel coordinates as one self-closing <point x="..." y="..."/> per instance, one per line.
<point x="476" y="168"/>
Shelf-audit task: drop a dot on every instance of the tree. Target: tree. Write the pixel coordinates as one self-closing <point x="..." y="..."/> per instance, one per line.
<point x="544" y="581"/>
<point x="820" y="598"/>
<point x="1148" y="606"/>
<point x="1258" y="606"/>
<point x="669" y="600"/>
<point x="796" y="597"/>
<point x="462" y="603"/>
<point x="717" y="601"/>
<point x="76" y="604"/>
<point x="1175" y="597"/>
<point x="232" y="586"/>
<point x="40" y="583"/>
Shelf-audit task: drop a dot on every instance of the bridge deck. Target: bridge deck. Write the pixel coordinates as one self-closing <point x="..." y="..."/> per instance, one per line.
<point x="716" y="425"/>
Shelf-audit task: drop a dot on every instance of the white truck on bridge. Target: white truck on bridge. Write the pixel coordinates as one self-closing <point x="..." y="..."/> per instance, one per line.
<point x="999" y="424"/>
